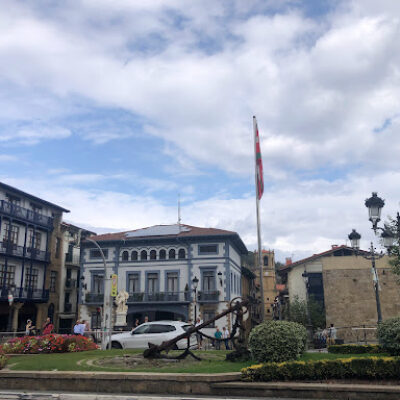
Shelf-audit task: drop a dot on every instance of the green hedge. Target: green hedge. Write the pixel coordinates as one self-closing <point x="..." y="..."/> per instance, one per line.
<point x="3" y="360"/>
<point x="355" y="349"/>
<point x="388" y="334"/>
<point x="277" y="341"/>
<point x="345" y="368"/>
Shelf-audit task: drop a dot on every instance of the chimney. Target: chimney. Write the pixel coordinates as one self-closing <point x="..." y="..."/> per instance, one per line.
<point x="288" y="260"/>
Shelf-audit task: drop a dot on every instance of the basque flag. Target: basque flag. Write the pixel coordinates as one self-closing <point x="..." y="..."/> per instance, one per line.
<point x="259" y="166"/>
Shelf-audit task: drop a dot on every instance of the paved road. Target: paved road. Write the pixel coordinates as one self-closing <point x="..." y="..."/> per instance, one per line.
<point x="15" y="395"/>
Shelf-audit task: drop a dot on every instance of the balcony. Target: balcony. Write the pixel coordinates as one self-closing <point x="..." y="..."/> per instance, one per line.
<point x="208" y="296"/>
<point x="25" y="215"/>
<point x="96" y="298"/>
<point x="23" y="295"/>
<point x="73" y="258"/>
<point x="12" y="249"/>
<point x="159" y="297"/>
<point x="70" y="284"/>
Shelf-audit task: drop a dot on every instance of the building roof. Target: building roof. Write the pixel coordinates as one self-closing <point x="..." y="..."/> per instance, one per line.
<point x="323" y="254"/>
<point x="12" y="189"/>
<point x="170" y="231"/>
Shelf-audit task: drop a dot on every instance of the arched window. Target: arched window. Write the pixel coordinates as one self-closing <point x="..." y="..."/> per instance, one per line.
<point x="163" y="254"/>
<point x="181" y="253"/>
<point x="153" y="255"/>
<point x="143" y="255"/>
<point x="171" y="254"/>
<point x="134" y="256"/>
<point x="125" y="256"/>
<point x="266" y="261"/>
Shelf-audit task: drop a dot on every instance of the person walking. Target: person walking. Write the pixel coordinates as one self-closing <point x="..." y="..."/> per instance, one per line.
<point x="332" y="335"/>
<point x="77" y="327"/>
<point x="218" y="336"/>
<point x="199" y="336"/>
<point x="225" y="336"/>
<point x="47" y="327"/>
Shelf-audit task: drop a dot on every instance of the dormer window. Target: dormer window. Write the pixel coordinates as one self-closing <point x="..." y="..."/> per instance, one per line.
<point x="181" y="253"/>
<point x="143" y="255"/>
<point x="171" y="254"/>
<point x="153" y="255"/>
<point x="125" y="256"/>
<point x="163" y="254"/>
<point x="134" y="256"/>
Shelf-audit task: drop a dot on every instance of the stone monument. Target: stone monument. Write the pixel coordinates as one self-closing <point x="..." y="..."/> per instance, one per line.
<point x="122" y="308"/>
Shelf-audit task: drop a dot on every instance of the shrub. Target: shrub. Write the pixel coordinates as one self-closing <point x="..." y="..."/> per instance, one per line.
<point x="277" y="341"/>
<point x="347" y="368"/>
<point x="48" y="344"/>
<point x="297" y="312"/>
<point x="355" y="349"/>
<point x="3" y="360"/>
<point x="388" y="334"/>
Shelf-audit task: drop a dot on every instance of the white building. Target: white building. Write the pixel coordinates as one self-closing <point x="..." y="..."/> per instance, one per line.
<point x="157" y="266"/>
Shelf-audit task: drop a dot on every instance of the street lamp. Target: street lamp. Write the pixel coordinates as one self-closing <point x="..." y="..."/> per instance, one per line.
<point x="107" y="303"/>
<point x="195" y="282"/>
<point x="309" y="326"/>
<point x="374" y="205"/>
<point x="354" y="239"/>
<point x="11" y="293"/>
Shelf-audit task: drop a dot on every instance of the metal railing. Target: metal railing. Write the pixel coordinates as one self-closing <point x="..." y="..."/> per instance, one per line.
<point x="72" y="258"/>
<point x="70" y="283"/>
<point x="25" y="214"/>
<point x="24" y="294"/>
<point x="15" y="250"/>
<point x="159" y="297"/>
<point x="208" y="296"/>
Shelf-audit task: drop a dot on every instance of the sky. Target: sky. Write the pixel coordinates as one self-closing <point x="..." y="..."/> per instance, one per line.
<point x="115" y="108"/>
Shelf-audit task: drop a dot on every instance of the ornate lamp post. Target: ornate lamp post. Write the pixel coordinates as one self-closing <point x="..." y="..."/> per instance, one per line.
<point x="195" y="282"/>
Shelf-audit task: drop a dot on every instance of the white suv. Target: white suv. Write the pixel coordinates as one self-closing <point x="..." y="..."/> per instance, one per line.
<point x="153" y="332"/>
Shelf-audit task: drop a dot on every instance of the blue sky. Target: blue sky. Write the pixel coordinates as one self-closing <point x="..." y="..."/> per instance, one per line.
<point x="113" y="108"/>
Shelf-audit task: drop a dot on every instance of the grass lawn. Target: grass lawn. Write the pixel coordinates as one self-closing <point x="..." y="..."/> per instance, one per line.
<point x="213" y="362"/>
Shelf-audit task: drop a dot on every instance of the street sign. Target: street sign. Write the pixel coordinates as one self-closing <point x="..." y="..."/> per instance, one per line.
<point x="114" y="285"/>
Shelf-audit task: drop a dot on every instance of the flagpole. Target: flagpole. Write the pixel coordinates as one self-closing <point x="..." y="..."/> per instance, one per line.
<point x="260" y="265"/>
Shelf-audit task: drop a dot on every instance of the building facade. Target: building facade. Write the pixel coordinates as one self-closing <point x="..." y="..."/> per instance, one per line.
<point x="158" y="267"/>
<point x="68" y="290"/>
<point x="341" y="280"/>
<point x="27" y="248"/>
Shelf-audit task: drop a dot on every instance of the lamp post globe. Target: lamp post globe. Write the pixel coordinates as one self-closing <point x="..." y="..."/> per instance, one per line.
<point x="374" y="205"/>
<point x="388" y="238"/>
<point x="354" y="237"/>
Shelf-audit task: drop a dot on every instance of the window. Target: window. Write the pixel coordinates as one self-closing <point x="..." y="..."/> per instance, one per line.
<point x="158" y="328"/>
<point x="181" y="253"/>
<point x="98" y="284"/>
<point x="53" y="281"/>
<point x="141" y="329"/>
<point x="231" y="281"/>
<point x="208" y="249"/>
<point x="152" y="283"/>
<point x="143" y="255"/>
<point x="34" y="277"/>
<point x="207" y="315"/>
<point x="163" y="254"/>
<point x="95" y="253"/>
<point x="95" y="320"/>
<point x="34" y="239"/>
<point x="16" y="201"/>
<point x="133" y="283"/>
<point x="125" y="256"/>
<point x="13" y="235"/>
<point x="153" y="255"/>
<point x="35" y="208"/>
<point x="7" y="277"/>
<point x="266" y="261"/>
<point x="208" y="284"/>
<point x="134" y="256"/>
<point x="171" y="254"/>
<point x="172" y="282"/>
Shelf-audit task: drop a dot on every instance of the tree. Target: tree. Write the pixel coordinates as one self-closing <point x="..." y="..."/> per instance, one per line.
<point x="297" y="312"/>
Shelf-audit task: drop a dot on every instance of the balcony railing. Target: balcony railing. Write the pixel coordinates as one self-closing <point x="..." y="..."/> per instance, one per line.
<point x="12" y="249"/>
<point x="72" y="258"/>
<point x="70" y="283"/>
<point x="25" y="214"/>
<point x="159" y="297"/>
<point x="23" y="294"/>
<point x="94" y="298"/>
<point x="208" y="296"/>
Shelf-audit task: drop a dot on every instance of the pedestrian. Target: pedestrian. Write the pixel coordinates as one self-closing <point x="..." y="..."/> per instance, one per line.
<point x="86" y="330"/>
<point x="199" y="336"/>
<point x="137" y="323"/>
<point x="332" y="335"/>
<point x="218" y="336"/>
<point x="29" y="328"/>
<point x="225" y="336"/>
<point x="77" y="328"/>
<point x="146" y="318"/>
<point x="47" y="327"/>
<point x="324" y="336"/>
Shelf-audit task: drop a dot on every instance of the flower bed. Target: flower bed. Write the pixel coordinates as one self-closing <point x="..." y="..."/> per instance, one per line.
<point x="345" y="368"/>
<point x="355" y="349"/>
<point x="51" y="343"/>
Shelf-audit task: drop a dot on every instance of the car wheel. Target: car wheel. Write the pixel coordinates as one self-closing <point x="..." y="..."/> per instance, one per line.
<point x="116" y="345"/>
